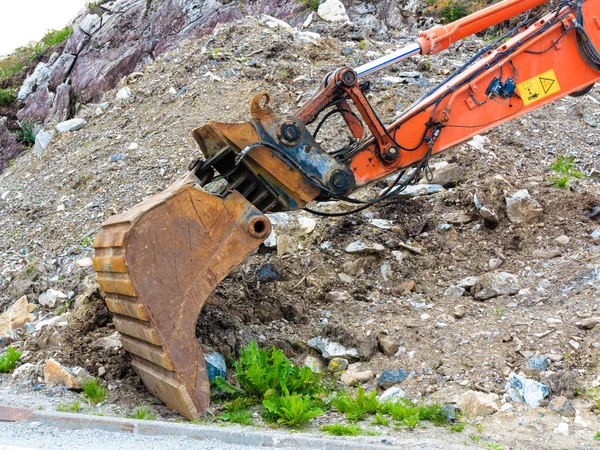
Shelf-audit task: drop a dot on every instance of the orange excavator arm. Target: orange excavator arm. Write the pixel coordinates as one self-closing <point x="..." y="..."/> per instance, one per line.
<point x="159" y="262"/>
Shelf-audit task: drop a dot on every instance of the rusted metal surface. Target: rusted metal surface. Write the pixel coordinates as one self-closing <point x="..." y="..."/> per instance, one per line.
<point x="10" y="414"/>
<point x="157" y="264"/>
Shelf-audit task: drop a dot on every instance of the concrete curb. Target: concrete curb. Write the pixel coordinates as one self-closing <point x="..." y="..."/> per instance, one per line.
<point x="226" y="435"/>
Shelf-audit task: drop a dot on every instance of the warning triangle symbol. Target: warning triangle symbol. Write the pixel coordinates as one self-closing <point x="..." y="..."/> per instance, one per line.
<point x="547" y="84"/>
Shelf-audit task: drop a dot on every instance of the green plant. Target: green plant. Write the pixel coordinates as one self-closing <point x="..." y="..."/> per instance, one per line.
<point x="457" y="427"/>
<point x="290" y="409"/>
<point x="493" y="446"/>
<point x="342" y="430"/>
<point x="8" y="360"/>
<point x="475" y="438"/>
<point x="594" y="394"/>
<point x="66" y="407"/>
<point x="363" y="44"/>
<point x="597" y="436"/>
<point x="564" y="168"/>
<point x="380" y="419"/>
<point x="11" y="162"/>
<point x="479" y="427"/>
<point x="285" y="393"/>
<point x="143" y="413"/>
<point x="86" y="241"/>
<point x="311" y="4"/>
<point x="7" y="96"/>
<point x="358" y="407"/>
<point x="453" y="11"/>
<point x="94" y="391"/>
<point x="25" y="134"/>
<point x="53" y="37"/>
<point x="407" y="413"/>
<point x="215" y="53"/>
<point x="10" y="66"/>
<point x="62" y="308"/>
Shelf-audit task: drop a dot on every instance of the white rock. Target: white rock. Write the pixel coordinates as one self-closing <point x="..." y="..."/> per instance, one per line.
<point x="467" y="283"/>
<point x="51" y="298"/>
<point x="479" y="142"/>
<point x="330" y="349"/>
<point x="454" y="291"/>
<point x="48" y="322"/>
<point x="562" y="428"/>
<point x="353" y="378"/>
<point x="84" y="262"/>
<point x="39" y="76"/>
<point x="133" y="146"/>
<point x="477" y="404"/>
<point x="494" y="284"/>
<point x="522" y="208"/>
<point x="417" y="190"/>
<point x="273" y="22"/>
<point x="71" y="125"/>
<point x="562" y="240"/>
<point x="382" y="224"/>
<point x="172" y="91"/>
<point x="306" y="37"/>
<point x="393" y="394"/>
<point x="307" y="224"/>
<point x="308" y="20"/>
<point x="42" y="140"/>
<point x="109" y="342"/>
<point x="333" y="11"/>
<point x="313" y="364"/>
<point x="124" y="93"/>
<point x="361" y="247"/>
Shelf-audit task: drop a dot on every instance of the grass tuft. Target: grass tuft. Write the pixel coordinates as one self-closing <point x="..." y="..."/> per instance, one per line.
<point x="143" y="413"/>
<point x="342" y="430"/>
<point x="7" y="96"/>
<point x="51" y="38"/>
<point x="25" y="134"/>
<point x="359" y="407"/>
<point x="94" y="391"/>
<point x="564" y="169"/>
<point x="311" y="4"/>
<point x="8" y="360"/>
<point x="66" y="407"/>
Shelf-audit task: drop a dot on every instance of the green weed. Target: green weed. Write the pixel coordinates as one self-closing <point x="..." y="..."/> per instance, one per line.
<point x="363" y="44"/>
<point x="8" y="360"/>
<point x="94" y="391"/>
<point x="475" y="438"/>
<point x="10" y="66"/>
<point x="66" y="407"/>
<point x="342" y="430"/>
<point x="457" y="427"/>
<point x="86" y="241"/>
<point x="25" y="134"/>
<point x="359" y="407"/>
<point x="143" y="413"/>
<point x="597" y="436"/>
<point x="492" y="446"/>
<point x="291" y="409"/>
<point x="380" y="419"/>
<point x="311" y="4"/>
<point x="53" y="37"/>
<point x="453" y="11"/>
<point x="237" y="412"/>
<point x="7" y="96"/>
<point x="564" y="168"/>
<point x="407" y="413"/>
<point x="479" y="427"/>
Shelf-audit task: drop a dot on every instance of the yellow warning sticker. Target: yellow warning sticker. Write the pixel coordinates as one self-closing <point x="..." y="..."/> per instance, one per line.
<point x="539" y="87"/>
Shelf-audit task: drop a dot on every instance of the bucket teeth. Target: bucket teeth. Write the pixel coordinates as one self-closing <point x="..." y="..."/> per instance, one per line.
<point x="157" y="264"/>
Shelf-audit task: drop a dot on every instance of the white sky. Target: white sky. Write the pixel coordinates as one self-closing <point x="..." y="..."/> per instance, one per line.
<point x="22" y="21"/>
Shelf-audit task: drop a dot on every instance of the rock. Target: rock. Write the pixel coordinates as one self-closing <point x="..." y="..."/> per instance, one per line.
<point x="494" y="284"/>
<point x="337" y="296"/>
<point x="562" y="406"/>
<point x="489" y="214"/>
<point x="588" y="323"/>
<point x="9" y="147"/>
<point x="479" y="142"/>
<point x="393" y="395"/>
<point x="71" y="125"/>
<point x="354" y="378"/>
<point x="359" y="247"/>
<point x="514" y="395"/>
<point x="101" y="371"/>
<point x="25" y="373"/>
<point x="40" y="325"/>
<point x="417" y="190"/>
<point x="215" y="365"/>
<point x="387" y="345"/>
<point x="108" y="342"/>
<point x="306" y="37"/>
<point x="61" y="107"/>
<point x="57" y="375"/>
<point x="457" y="218"/>
<point x="522" y="208"/>
<point x="405" y="287"/>
<point x="331" y="350"/>
<point x="37" y="106"/>
<point x="595" y="235"/>
<point x="51" y="298"/>
<point x="448" y="176"/>
<point x="124" y="93"/>
<point x="84" y="262"/>
<point x="454" y="291"/>
<point x="562" y="240"/>
<point x="267" y="274"/>
<point x="474" y="404"/>
<point x="564" y="383"/>
<point x="358" y="266"/>
<point x="531" y="391"/>
<point x="459" y="311"/>
<point x="382" y="224"/>
<point x="333" y="11"/>
<point x="307" y="224"/>
<point x="313" y="364"/>
<point x="286" y="245"/>
<point x="562" y="428"/>
<point x="42" y="140"/>
<point x="16" y="316"/>
<point x="535" y="365"/>
<point x="273" y="22"/>
<point x="389" y="378"/>
<point x="337" y="365"/>
<point x="81" y="376"/>
<point x="37" y="78"/>
<point x="468" y="283"/>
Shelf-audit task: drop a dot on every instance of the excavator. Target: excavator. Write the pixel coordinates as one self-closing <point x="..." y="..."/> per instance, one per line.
<point x="158" y="262"/>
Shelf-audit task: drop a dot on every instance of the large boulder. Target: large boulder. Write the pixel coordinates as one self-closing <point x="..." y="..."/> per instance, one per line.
<point x="477" y="404"/>
<point x="16" y="316"/>
<point x="494" y="284"/>
<point x="522" y="208"/>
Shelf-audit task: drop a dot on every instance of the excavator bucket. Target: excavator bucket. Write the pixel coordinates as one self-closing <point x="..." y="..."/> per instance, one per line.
<point x="157" y="264"/>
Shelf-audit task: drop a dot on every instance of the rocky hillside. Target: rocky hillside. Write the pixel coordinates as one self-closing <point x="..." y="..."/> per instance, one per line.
<point x="472" y="290"/>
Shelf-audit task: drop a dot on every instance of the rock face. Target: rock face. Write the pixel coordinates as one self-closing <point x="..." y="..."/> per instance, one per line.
<point x="9" y="147"/>
<point x="494" y="284"/>
<point x="333" y="11"/>
<point x="16" y="316"/>
<point x="477" y="404"/>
